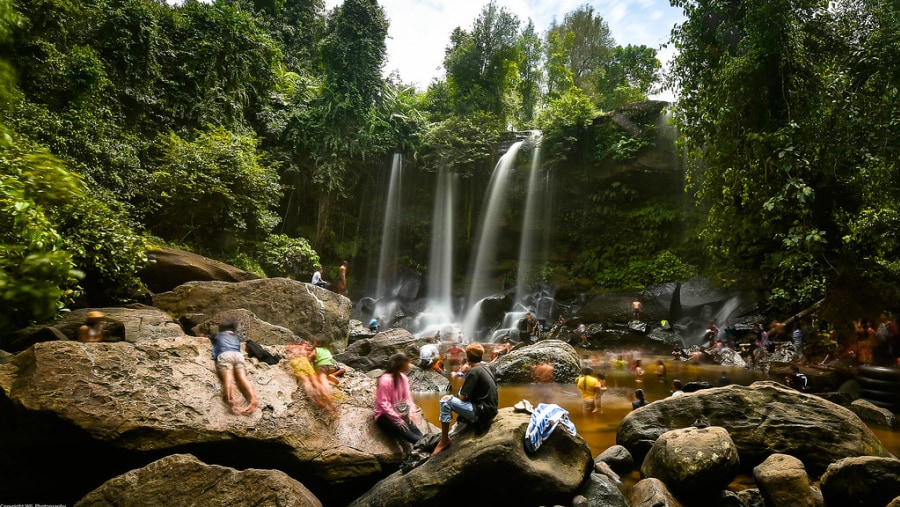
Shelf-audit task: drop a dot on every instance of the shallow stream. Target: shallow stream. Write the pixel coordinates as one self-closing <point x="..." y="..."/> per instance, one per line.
<point x="599" y="430"/>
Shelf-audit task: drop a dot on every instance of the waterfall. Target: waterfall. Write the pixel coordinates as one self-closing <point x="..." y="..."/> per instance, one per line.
<point x="390" y="233"/>
<point x="440" y="264"/>
<point x="528" y="260"/>
<point x="485" y="253"/>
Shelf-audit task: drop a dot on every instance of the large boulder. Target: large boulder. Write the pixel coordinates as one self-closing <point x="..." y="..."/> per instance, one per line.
<point x="373" y="353"/>
<point x="467" y="471"/>
<point x="305" y="309"/>
<point x="126" y="405"/>
<point x="693" y="462"/>
<point x="182" y="479"/>
<point x="517" y="366"/>
<point x="249" y="327"/>
<point x="169" y="267"/>
<point x="861" y="481"/>
<point x="133" y="324"/>
<point x="762" y="419"/>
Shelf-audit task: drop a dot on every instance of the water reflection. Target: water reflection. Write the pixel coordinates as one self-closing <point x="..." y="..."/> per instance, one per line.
<point x="599" y="430"/>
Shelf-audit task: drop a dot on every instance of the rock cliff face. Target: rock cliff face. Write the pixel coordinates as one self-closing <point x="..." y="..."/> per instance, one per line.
<point x="304" y="309"/>
<point x="128" y="404"/>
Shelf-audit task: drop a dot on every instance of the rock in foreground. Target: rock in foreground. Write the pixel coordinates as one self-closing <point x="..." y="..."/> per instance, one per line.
<point x="182" y="479"/>
<point x="762" y="419"/>
<point x="491" y="469"/>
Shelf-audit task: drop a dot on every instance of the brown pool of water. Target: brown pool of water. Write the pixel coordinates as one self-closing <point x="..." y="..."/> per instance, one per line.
<point x="599" y="430"/>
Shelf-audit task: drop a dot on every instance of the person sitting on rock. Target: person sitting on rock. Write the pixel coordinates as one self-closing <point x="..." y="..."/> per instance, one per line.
<point x="92" y="329"/>
<point x="394" y="402"/>
<point x="373" y="325"/>
<point x="324" y="361"/>
<point x="317" y="278"/>
<point x="477" y="401"/>
<point x="231" y="367"/>
<point x="676" y="385"/>
<point x="430" y="356"/>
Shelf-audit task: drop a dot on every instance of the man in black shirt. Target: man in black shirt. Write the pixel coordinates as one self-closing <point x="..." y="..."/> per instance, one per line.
<point x="477" y="402"/>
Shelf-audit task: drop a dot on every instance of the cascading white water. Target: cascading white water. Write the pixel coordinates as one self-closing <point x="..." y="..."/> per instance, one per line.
<point x="439" y="309"/>
<point x="482" y="273"/>
<point x="528" y="249"/>
<point x="390" y="233"/>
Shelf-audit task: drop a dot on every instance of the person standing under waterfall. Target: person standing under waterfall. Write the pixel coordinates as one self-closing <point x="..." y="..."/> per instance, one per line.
<point x="477" y="401"/>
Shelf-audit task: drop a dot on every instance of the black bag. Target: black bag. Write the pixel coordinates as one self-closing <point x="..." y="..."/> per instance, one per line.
<point x="258" y="351"/>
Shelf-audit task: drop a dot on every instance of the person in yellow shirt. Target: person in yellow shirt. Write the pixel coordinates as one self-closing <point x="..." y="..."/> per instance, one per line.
<point x="592" y="388"/>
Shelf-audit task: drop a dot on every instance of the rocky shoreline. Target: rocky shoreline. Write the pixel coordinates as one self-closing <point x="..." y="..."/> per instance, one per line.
<point x="140" y="421"/>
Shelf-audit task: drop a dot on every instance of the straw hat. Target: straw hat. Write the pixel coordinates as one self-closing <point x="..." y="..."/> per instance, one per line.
<point x="95" y="315"/>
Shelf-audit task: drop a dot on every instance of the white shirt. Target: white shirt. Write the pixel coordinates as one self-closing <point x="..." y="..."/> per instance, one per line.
<point x="428" y="351"/>
<point x="317" y="277"/>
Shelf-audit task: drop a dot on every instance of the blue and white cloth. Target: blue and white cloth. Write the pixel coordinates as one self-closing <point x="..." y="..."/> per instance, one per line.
<point x="545" y="418"/>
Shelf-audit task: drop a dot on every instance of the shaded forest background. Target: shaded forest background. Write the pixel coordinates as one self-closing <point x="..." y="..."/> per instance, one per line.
<point x="254" y="132"/>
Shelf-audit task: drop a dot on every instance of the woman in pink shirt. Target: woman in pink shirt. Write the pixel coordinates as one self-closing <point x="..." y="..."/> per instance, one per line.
<point x="393" y="400"/>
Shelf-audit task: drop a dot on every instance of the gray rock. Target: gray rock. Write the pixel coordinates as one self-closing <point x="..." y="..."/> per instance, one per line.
<point x="469" y="467"/>
<point x="249" y="327"/>
<point x="761" y="419"/>
<point x="517" y="366"/>
<point x="303" y="308"/>
<point x="693" y="462"/>
<point x="373" y="353"/>
<point x="602" y="491"/>
<point x="875" y="415"/>
<point x="169" y="267"/>
<point x="133" y="324"/>
<point x="618" y="458"/>
<point x="861" y="481"/>
<point x="182" y="479"/>
<point x="783" y="482"/>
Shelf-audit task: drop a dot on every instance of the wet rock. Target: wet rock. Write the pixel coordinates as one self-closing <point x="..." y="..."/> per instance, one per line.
<point x="861" y="481"/>
<point x="551" y="475"/>
<point x="518" y="365"/>
<point x="653" y="492"/>
<point x="618" y="458"/>
<point x="358" y="331"/>
<point x="373" y="353"/>
<point x="761" y="419"/>
<point x="169" y="267"/>
<point x="182" y="479"/>
<point x="428" y="381"/>
<point x="875" y="415"/>
<point x="752" y="497"/>
<point x="783" y="482"/>
<point x="602" y="490"/>
<point x="693" y="462"/>
<point x="303" y="308"/>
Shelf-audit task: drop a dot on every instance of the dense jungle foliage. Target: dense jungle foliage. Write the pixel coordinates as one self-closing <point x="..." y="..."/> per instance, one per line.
<point x="255" y="131"/>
